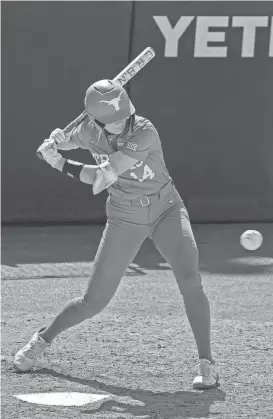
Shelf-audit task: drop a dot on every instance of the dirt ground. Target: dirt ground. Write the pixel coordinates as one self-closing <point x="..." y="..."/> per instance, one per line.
<point x="140" y="350"/>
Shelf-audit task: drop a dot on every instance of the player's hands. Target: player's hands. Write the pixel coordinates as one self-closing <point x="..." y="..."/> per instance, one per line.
<point x="48" y="151"/>
<point x="59" y="136"/>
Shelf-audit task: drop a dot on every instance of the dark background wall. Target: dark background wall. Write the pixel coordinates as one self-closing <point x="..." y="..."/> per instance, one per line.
<point x="214" y="115"/>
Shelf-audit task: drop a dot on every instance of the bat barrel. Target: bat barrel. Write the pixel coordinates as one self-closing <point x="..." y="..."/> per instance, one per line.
<point x="135" y="66"/>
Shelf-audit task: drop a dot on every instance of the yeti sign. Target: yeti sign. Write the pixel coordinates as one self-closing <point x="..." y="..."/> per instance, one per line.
<point x="211" y="29"/>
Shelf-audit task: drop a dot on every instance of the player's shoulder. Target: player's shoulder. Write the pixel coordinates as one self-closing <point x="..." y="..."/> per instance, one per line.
<point x="142" y="134"/>
<point x="86" y="133"/>
<point x="144" y="129"/>
<point x="142" y="123"/>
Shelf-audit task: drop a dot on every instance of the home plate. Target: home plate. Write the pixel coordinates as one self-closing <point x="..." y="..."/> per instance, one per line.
<point x="61" y="399"/>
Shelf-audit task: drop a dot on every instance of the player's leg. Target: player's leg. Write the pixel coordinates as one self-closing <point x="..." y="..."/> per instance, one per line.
<point x="118" y="247"/>
<point x="174" y="239"/>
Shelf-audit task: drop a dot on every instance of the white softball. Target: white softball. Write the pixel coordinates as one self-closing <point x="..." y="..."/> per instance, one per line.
<point x="251" y="240"/>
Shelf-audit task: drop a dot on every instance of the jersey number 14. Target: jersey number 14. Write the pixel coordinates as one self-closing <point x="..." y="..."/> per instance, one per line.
<point x="147" y="172"/>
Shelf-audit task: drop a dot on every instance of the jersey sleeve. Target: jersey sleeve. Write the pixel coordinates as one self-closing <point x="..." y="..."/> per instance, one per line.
<point x="83" y="134"/>
<point x="139" y="144"/>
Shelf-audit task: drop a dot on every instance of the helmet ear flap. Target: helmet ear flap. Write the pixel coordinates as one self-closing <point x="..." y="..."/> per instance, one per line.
<point x="95" y="121"/>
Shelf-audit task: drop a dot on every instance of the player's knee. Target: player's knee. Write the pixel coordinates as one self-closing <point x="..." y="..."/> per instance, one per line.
<point x="93" y="306"/>
<point x="190" y="282"/>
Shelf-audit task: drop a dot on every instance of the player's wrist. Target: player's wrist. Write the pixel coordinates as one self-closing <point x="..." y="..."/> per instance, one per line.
<point x="59" y="164"/>
<point x="72" y="168"/>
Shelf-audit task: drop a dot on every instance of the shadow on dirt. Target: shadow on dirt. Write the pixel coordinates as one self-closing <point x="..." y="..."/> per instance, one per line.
<point x="219" y="248"/>
<point x="182" y="404"/>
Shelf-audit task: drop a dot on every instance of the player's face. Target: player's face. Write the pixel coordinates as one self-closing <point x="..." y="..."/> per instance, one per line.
<point x="116" y="127"/>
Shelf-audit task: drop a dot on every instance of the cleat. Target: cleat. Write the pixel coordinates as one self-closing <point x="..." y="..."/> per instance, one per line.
<point x="207" y="375"/>
<point x="25" y="358"/>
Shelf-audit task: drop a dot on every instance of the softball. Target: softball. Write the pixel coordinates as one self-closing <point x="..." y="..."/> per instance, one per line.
<point x="251" y="240"/>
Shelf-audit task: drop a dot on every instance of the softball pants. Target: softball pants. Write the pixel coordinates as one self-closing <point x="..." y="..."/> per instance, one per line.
<point x="164" y="218"/>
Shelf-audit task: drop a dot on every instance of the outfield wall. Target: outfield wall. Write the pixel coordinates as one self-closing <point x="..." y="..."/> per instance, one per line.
<point x="212" y="102"/>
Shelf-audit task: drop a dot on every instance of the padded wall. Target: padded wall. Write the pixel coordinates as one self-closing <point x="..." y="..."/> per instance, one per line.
<point x="51" y="52"/>
<point x="214" y="114"/>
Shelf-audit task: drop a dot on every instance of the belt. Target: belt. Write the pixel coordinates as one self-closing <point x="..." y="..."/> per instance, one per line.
<point x="145" y="200"/>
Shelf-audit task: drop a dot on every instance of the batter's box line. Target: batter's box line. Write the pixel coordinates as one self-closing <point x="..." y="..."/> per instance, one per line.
<point x="133" y="272"/>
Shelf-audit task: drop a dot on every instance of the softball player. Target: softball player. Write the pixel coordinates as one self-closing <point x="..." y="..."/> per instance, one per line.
<point x="143" y="202"/>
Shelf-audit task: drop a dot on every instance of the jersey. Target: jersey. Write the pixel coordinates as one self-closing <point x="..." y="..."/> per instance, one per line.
<point x="140" y="141"/>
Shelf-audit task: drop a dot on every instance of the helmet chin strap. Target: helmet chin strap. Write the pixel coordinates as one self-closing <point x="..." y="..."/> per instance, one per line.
<point x="101" y="127"/>
<point x="98" y="125"/>
<point x="129" y="124"/>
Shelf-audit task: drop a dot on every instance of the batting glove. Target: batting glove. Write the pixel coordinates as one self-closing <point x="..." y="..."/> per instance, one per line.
<point x="49" y="152"/>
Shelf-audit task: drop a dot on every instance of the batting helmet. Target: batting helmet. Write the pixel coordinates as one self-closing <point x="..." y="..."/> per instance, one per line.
<point x="107" y="102"/>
